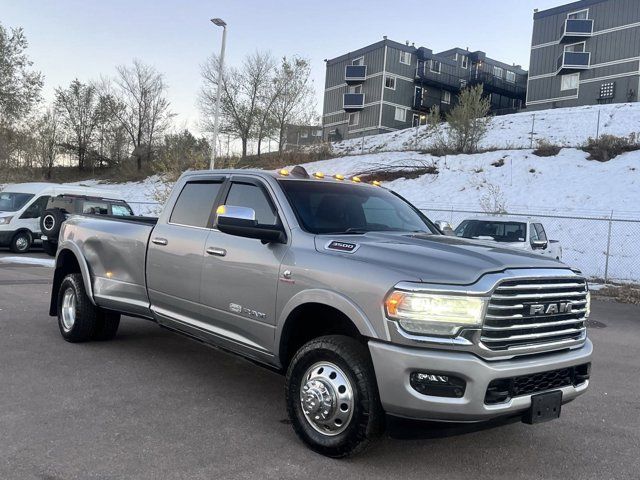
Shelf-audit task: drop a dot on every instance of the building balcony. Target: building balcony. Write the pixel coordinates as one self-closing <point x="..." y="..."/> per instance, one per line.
<point x="572" y="62"/>
<point x="352" y="102"/>
<point x="355" y="73"/>
<point x="450" y="82"/>
<point x="493" y="84"/>
<point x="574" y="30"/>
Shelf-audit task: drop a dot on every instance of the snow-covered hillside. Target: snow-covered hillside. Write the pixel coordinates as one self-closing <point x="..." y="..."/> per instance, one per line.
<point x="569" y="127"/>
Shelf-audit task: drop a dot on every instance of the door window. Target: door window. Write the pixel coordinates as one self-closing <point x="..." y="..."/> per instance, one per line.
<point x="195" y="204"/>
<point x="95" y="208"/>
<point x="36" y="208"/>
<point x="252" y="196"/>
<point x="120" y="210"/>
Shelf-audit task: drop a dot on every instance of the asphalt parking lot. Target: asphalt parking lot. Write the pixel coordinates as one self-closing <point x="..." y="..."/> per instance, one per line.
<point x="155" y="405"/>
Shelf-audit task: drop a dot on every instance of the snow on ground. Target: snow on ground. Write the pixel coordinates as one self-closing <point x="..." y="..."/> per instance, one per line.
<point x="563" y="126"/>
<point x="24" y="260"/>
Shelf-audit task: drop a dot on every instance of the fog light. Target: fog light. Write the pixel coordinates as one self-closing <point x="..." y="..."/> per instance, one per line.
<point x="437" y="384"/>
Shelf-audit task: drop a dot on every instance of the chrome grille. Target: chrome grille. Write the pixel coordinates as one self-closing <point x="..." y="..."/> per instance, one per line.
<point x="511" y="323"/>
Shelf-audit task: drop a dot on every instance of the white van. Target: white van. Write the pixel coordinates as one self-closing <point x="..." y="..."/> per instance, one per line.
<point x="21" y="206"/>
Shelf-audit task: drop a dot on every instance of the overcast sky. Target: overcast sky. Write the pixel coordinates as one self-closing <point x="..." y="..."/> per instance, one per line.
<point x="88" y="38"/>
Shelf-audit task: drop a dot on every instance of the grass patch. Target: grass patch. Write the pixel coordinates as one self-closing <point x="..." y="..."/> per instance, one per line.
<point x="607" y="147"/>
<point x="626" y="293"/>
<point x="546" y="149"/>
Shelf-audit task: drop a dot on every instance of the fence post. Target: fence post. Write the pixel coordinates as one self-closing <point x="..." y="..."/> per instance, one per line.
<point x="362" y="145"/>
<point x="598" y="126"/>
<point x="606" y="264"/>
<point x="416" y="137"/>
<point x="533" y="126"/>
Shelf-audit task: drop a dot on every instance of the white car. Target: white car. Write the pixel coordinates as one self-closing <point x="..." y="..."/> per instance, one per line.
<point x="514" y="232"/>
<point x="21" y="206"/>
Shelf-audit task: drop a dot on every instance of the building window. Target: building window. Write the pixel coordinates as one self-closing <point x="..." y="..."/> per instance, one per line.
<point x="401" y="114"/>
<point x="355" y="89"/>
<point x="570" y="82"/>
<point x="419" y="120"/>
<point x="304" y="134"/>
<point x="435" y="66"/>
<point x="497" y="72"/>
<point x="511" y="76"/>
<point x="354" y="119"/>
<point x="446" y="97"/>
<point x="358" y="61"/>
<point x="580" y="15"/>
<point x="465" y="61"/>
<point x="575" y="47"/>
<point x="390" y="82"/>
<point x="405" y="57"/>
<point x="317" y="133"/>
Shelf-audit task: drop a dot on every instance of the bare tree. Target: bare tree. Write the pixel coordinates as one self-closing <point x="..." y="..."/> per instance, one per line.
<point x="468" y="121"/>
<point x="48" y="136"/>
<point x="294" y="102"/>
<point x="139" y="103"/>
<point x="79" y="112"/>
<point x="242" y="91"/>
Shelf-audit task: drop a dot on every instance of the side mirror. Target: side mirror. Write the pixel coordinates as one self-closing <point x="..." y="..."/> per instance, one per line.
<point x="445" y="227"/>
<point x="538" y="244"/>
<point x="241" y="222"/>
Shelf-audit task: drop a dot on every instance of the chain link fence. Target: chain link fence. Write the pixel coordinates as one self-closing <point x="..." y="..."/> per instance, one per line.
<point x="603" y="247"/>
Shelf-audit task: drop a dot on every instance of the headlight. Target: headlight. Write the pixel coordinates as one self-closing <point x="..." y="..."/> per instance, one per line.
<point x="5" y="220"/>
<point x="433" y="314"/>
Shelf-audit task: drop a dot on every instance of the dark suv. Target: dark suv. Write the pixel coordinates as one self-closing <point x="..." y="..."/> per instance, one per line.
<point x="59" y="208"/>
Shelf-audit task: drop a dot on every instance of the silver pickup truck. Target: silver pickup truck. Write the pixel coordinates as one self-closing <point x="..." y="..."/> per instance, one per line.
<point x="345" y="287"/>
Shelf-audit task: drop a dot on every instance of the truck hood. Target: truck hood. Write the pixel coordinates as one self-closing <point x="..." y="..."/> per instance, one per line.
<point x="432" y="258"/>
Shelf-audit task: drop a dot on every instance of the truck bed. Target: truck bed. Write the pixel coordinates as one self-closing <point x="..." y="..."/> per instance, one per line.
<point x="116" y="250"/>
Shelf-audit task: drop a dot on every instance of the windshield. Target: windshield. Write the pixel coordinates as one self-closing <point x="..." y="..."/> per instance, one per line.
<point x="13" y="201"/>
<point x="490" y="230"/>
<point x="333" y="208"/>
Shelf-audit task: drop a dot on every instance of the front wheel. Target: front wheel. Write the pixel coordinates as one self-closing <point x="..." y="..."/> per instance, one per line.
<point x="332" y="396"/>
<point x="21" y="242"/>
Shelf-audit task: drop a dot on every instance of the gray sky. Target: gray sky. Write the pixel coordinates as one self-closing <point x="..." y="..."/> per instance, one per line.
<point x="88" y="38"/>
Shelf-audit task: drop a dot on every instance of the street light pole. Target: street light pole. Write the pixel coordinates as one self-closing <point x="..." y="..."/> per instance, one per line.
<point x="216" y="120"/>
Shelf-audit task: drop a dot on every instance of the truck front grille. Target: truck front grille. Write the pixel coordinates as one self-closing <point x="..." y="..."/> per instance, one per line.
<point x="526" y="313"/>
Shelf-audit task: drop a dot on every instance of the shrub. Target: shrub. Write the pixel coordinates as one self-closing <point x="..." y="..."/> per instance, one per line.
<point x="468" y="121"/>
<point x="546" y="149"/>
<point x="607" y="147"/>
<point x="498" y="163"/>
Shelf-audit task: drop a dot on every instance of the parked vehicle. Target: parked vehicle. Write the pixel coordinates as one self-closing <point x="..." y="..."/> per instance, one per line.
<point x="514" y="232"/>
<point x="21" y="206"/>
<point x="347" y="289"/>
<point x="60" y="207"/>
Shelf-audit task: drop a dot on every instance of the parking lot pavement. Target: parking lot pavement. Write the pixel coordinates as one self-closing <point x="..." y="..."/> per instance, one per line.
<point x="154" y="405"/>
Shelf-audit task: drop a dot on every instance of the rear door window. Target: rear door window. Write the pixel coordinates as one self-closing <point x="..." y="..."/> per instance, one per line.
<point x="195" y="204"/>
<point x="95" y="208"/>
<point x="120" y="210"/>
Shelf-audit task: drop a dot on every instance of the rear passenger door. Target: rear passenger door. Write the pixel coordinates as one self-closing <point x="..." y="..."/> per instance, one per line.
<point x="176" y="248"/>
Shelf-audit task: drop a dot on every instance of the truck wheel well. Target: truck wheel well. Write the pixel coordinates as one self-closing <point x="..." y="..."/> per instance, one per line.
<point x="310" y="321"/>
<point x="66" y="263"/>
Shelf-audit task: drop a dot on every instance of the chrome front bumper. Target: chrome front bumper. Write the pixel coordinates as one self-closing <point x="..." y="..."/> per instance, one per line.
<point x="393" y="365"/>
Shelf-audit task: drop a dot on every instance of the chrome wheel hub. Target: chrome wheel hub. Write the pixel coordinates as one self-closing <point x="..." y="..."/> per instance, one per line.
<point x="22" y="243"/>
<point x="326" y="397"/>
<point x="68" y="309"/>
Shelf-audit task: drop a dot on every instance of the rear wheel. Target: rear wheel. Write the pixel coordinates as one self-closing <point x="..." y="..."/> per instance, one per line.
<point x="78" y="319"/>
<point x="21" y="242"/>
<point x="332" y="396"/>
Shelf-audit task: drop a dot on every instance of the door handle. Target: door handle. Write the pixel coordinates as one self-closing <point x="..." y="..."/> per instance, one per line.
<point x="218" y="252"/>
<point x="160" y="241"/>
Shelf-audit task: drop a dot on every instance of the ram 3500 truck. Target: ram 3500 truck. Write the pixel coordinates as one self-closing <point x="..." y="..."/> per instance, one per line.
<point x="346" y="287"/>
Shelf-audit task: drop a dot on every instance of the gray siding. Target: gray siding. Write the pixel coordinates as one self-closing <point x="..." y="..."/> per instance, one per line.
<point x="615" y="54"/>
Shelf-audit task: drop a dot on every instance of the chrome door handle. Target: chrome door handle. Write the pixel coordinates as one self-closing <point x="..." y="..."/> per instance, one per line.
<point x="218" y="252"/>
<point x="160" y="241"/>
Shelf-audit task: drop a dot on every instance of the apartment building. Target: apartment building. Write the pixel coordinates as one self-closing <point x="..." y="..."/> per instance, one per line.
<point x="585" y="53"/>
<point x="297" y="136"/>
<point x="389" y="86"/>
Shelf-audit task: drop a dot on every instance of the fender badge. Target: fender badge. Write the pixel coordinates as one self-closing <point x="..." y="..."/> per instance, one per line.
<point x="345" y="247"/>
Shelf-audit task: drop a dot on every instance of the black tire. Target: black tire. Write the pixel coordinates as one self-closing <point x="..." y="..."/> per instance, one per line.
<point x="21" y="242"/>
<point x="50" y="248"/>
<point x="106" y="326"/>
<point x="51" y="221"/>
<point x="367" y="418"/>
<point x="85" y="314"/>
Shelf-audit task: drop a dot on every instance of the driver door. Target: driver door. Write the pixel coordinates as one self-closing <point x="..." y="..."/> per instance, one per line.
<point x="31" y="216"/>
<point x="240" y="275"/>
